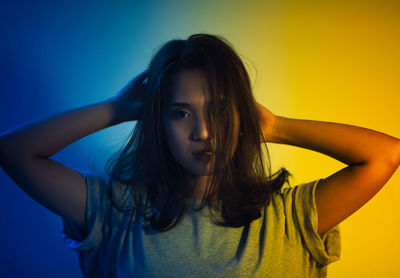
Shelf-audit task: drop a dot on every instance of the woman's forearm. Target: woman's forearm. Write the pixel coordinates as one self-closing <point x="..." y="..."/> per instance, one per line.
<point x="45" y="137"/>
<point x="346" y="143"/>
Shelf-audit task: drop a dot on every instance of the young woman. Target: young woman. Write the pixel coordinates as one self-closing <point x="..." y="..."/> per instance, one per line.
<point x="197" y="141"/>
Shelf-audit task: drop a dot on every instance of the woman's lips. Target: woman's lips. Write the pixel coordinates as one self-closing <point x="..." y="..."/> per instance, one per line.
<point x="203" y="156"/>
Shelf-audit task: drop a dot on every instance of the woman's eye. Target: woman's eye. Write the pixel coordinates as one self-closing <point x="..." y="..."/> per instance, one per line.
<point x="180" y="114"/>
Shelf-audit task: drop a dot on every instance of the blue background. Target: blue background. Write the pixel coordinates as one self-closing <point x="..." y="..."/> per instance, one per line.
<point x="54" y="57"/>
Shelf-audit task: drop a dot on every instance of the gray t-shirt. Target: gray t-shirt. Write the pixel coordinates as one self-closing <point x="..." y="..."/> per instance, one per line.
<point x="283" y="242"/>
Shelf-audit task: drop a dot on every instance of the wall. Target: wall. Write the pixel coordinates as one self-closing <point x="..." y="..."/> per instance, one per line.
<point x="336" y="61"/>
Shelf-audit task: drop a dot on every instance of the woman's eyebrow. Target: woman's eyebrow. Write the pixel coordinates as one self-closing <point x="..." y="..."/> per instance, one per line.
<point x="183" y="104"/>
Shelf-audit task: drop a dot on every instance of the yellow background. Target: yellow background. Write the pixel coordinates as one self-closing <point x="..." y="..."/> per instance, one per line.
<point x="336" y="61"/>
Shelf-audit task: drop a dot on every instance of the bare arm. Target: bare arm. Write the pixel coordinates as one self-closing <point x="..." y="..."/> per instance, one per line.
<point x="372" y="158"/>
<point x="43" y="138"/>
<point x="349" y="144"/>
<point x="25" y="152"/>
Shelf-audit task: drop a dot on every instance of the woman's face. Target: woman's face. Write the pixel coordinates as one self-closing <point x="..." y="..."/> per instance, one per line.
<point x="186" y="123"/>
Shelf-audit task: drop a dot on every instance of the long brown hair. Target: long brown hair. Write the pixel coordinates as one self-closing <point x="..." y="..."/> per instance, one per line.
<point x="145" y="166"/>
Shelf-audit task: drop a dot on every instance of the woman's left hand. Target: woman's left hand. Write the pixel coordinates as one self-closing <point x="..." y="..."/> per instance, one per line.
<point x="267" y="121"/>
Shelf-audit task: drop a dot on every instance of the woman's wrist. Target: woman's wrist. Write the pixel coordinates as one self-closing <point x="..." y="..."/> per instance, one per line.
<point x="124" y="112"/>
<point x="116" y="116"/>
<point x="271" y="130"/>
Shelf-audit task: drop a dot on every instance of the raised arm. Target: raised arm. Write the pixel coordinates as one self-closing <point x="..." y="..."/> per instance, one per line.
<point x="372" y="158"/>
<point x="25" y="153"/>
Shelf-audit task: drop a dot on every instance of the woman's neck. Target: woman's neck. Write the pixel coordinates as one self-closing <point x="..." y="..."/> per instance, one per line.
<point x="199" y="185"/>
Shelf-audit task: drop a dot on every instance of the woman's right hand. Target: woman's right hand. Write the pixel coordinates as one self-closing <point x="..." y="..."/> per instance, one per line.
<point x="128" y="103"/>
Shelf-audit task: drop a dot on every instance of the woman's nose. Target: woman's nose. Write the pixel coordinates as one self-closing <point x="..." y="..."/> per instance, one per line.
<point x="202" y="129"/>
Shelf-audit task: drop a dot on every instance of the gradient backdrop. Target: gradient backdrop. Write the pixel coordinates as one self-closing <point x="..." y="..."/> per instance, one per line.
<point x="337" y="61"/>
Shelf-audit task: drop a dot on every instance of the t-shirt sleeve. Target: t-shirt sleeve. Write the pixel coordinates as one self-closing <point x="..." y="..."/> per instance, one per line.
<point x="324" y="249"/>
<point x="96" y="203"/>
